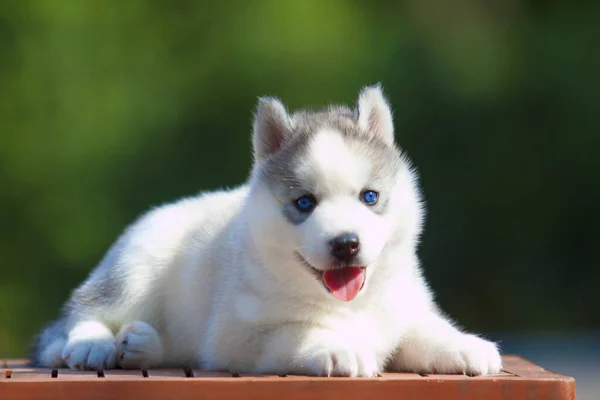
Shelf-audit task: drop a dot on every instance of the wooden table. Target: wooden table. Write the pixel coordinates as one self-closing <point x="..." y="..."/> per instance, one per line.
<point x="520" y="379"/>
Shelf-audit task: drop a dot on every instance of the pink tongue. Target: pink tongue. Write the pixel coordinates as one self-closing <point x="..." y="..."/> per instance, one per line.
<point x="344" y="283"/>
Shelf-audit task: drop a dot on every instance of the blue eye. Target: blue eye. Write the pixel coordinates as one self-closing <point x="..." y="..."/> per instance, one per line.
<point x="370" y="197"/>
<point x="306" y="203"/>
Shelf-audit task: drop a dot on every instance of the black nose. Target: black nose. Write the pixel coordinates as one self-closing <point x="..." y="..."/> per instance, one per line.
<point x="345" y="247"/>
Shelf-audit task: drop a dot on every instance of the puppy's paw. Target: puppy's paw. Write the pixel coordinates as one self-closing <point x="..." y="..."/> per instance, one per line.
<point x="139" y="346"/>
<point x="480" y="356"/>
<point x="296" y="349"/>
<point x="329" y="361"/>
<point x="463" y="354"/>
<point x="91" y="346"/>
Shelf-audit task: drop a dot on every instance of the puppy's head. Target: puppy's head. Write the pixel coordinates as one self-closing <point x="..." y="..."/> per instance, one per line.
<point x="330" y="192"/>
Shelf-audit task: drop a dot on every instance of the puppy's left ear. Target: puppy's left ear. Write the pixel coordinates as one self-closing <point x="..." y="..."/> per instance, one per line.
<point x="374" y="114"/>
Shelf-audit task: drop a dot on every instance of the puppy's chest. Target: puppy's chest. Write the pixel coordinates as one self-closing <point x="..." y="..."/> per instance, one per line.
<point x="252" y="309"/>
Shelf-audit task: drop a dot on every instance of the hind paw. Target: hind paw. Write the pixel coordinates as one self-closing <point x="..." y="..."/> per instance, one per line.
<point x="139" y="346"/>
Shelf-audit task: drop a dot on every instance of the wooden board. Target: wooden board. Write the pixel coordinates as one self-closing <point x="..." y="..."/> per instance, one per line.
<point x="520" y="379"/>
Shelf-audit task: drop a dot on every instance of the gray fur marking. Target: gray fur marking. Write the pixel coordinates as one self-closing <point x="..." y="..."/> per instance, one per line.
<point x="102" y="288"/>
<point x="52" y="332"/>
<point x="279" y="170"/>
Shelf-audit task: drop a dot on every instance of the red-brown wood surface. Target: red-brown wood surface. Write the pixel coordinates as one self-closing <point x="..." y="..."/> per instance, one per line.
<point x="520" y="379"/>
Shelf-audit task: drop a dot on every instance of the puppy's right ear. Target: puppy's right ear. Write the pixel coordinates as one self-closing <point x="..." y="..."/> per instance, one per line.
<point x="272" y="126"/>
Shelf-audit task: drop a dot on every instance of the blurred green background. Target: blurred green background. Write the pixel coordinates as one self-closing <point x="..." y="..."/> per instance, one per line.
<point x="108" y="108"/>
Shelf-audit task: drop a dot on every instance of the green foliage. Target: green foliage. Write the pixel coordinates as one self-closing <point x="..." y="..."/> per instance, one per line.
<point x="108" y="108"/>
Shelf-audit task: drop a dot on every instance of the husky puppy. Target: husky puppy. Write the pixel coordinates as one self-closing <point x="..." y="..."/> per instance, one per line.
<point x="309" y="268"/>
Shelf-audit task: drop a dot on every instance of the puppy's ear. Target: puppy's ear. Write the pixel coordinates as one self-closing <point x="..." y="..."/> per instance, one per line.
<point x="374" y="114"/>
<point x="272" y="127"/>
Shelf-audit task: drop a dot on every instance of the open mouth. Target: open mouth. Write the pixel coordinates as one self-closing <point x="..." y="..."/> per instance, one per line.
<point x="344" y="283"/>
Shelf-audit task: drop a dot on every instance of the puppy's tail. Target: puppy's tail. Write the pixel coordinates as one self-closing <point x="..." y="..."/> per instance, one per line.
<point x="47" y="347"/>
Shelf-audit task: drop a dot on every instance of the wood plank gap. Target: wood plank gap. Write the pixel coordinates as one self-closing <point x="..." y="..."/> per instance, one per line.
<point x="199" y="373"/>
<point x="510" y="373"/>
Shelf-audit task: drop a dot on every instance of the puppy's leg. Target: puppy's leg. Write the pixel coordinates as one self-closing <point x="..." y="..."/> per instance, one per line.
<point x="139" y="346"/>
<point x="296" y="349"/>
<point x="90" y="345"/>
<point x="433" y="345"/>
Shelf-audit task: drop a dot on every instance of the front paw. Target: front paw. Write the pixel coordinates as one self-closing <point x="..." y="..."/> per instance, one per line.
<point x="91" y="346"/>
<point x="90" y="354"/>
<point x="327" y="361"/>
<point x="464" y="354"/>
<point x="480" y="356"/>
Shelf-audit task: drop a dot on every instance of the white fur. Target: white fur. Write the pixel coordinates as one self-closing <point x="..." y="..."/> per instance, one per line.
<point x="212" y="280"/>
